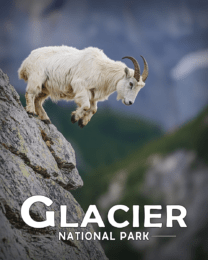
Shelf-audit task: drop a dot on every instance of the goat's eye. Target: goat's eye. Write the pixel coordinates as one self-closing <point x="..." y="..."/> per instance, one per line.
<point x="131" y="85"/>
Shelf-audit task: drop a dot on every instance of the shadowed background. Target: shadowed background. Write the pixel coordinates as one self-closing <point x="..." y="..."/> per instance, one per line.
<point x="116" y="154"/>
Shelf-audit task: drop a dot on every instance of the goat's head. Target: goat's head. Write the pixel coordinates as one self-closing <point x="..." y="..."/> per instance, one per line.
<point x="129" y="86"/>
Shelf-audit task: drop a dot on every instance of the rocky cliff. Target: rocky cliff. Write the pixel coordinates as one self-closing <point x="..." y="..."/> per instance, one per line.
<point x="36" y="159"/>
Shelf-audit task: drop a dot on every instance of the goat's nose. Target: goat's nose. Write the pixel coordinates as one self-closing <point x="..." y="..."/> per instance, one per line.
<point x="130" y="103"/>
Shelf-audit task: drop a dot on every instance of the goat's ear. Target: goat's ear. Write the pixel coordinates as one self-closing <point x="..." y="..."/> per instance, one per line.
<point x="127" y="72"/>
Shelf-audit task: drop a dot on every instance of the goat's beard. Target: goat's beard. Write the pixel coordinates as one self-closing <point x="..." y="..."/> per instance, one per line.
<point x="119" y="97"/>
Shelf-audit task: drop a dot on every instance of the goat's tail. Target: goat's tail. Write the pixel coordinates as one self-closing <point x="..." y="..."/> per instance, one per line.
<point x="22" y="72"/>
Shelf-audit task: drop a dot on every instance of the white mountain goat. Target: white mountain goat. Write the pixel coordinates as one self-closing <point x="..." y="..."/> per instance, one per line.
<point x="85" y="76"/>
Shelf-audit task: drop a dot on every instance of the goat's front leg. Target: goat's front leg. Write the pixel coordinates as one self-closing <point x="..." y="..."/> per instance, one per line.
<point x="88" y="114"/>
<point x="82" y="100"/>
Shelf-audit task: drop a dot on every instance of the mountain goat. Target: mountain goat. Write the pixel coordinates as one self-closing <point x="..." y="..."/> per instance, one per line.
<point x="85" y="76"/>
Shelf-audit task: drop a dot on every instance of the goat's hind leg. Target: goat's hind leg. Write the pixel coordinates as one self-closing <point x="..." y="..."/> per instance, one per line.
<point x="39" y="100"/>
<point x="33" y="89"/>
<point x="30" y="106"/>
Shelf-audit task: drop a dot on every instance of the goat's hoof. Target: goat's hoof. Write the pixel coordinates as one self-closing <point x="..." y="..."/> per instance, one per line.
<point x="80" y="123"/>
<point x="32" y="114"/>
<point x="73" y="120"/>
<point x="46" y="121"/>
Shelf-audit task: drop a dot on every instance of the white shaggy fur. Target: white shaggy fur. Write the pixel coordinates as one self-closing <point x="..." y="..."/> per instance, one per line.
<point x="85" y="76"/>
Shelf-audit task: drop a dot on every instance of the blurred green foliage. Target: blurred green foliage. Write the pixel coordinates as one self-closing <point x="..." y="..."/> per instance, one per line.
<point x="191" y="136"/>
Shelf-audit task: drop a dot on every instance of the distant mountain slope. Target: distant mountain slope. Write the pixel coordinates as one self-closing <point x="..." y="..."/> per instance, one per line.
<point x="170" y="170"/>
